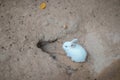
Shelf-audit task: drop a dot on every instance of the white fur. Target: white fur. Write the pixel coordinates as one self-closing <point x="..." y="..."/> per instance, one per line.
<point x="75" y="51"/>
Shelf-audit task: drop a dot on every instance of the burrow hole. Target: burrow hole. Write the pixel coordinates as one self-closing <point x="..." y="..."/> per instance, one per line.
<point x="42" y="45"/>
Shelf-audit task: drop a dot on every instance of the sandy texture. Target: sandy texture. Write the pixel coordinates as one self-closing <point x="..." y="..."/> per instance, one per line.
<point x="31" y="39"/>
<point x="113" y="71"/>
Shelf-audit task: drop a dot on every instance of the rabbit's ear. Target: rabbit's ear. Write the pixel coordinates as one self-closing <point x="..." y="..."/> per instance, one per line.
<point x="74" y="41"/>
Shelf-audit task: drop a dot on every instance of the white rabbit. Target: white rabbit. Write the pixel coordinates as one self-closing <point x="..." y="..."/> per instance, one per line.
<point x="73" y="50"/>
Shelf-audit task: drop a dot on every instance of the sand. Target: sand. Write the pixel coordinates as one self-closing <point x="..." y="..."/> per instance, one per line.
<point x="31" y="39"/>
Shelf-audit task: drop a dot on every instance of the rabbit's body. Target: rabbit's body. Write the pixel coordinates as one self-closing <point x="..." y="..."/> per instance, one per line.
<point x="76" y="52"/>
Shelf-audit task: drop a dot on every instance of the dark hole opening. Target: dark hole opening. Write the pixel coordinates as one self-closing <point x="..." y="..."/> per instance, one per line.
<point x="41" y="44"/>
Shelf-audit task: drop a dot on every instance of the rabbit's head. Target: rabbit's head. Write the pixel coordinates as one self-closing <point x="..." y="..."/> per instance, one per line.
<point x="70" y="44"/>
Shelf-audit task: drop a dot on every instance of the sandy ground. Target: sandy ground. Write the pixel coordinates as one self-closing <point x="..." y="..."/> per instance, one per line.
<point x="31" y="39"/>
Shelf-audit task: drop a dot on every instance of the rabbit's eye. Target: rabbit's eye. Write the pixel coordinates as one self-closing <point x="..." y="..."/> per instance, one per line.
<point x="66" y="46"/>
<point x="72" y="45"/>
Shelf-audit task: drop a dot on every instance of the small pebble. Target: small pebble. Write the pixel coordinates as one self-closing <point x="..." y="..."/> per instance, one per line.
<point x="42" y="5"/>
<point x="65" y="26"/>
